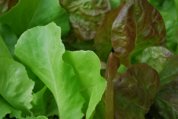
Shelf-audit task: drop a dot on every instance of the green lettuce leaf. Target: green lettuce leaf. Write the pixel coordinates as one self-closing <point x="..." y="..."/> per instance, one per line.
<point x="115" y="3"/>
<point x="44" y="103"/>
<point x="154" y="56"/>
<point x="29" y="13"/>
<point x="41" y="49"/>
<point x="10" y="38"/>
<point x="8" y="109"/>
<point x="4" y="52"/>
<point x="135" y="91"/>
<point x="87" y="65"/>
<point x="15" y="86"/>
<point x="74" y="88"/>
<point x="39" y="117"/>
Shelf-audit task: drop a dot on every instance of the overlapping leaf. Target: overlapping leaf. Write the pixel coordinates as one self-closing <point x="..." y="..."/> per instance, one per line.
<point x="167" y="9"/>
<point x="76" y="89"/>
<point x="86" y="16"/>
<point x="154" y="56"/>
<point x="136" y="26"/>
<point x="41" y="49"/>
<point x="15" y="86"/>
<point x="29" y="13"/>
<point x="135" y="92"/>
<point x="4" y="52"/>
<point x="167" y="99"/>
<point x="92" y="84"/>
<point x="9" y="38"/>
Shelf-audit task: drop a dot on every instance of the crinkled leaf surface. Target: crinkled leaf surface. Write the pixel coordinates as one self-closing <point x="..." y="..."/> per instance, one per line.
<point x="154" y="56"/>
<point x="135" y="91"/>
<point x="86" y="16"/>
<point x="167" y="9"/>
<point x="87" y="66"/>
<point x="29" y="13"/>
<point x="15" y="86"/>
<point x="136" y="26"/>
<point x="41" y="49"/>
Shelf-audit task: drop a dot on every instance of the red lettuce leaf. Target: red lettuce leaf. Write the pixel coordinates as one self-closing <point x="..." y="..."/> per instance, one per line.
<point x="135" y="91"/>
<point x="86" y="16"/>
<point x="136" y="26"/>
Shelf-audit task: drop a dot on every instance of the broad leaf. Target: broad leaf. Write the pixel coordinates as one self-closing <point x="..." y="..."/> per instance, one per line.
<point x="15" y="86"/>
<point x="86" y="16"/>
<point x="135" y="91"/>
<point x="87" y="65"/>
<point x="29" y="13"/>
<point x="136" y="26"/>
<point x="41" y="49"/>
<point x="154" y="56"/>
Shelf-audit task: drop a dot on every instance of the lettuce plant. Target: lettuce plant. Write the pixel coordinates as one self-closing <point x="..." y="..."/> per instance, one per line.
<point x="88" y="59"/>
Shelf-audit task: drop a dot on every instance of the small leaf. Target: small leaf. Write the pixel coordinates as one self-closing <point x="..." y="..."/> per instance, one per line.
<point x="135" y="91"/>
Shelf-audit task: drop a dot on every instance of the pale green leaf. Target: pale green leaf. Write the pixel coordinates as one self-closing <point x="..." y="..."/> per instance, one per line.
<point x="87" y="66"/>
<point x="41" y="49"/>
<point x="15" y="86"/>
